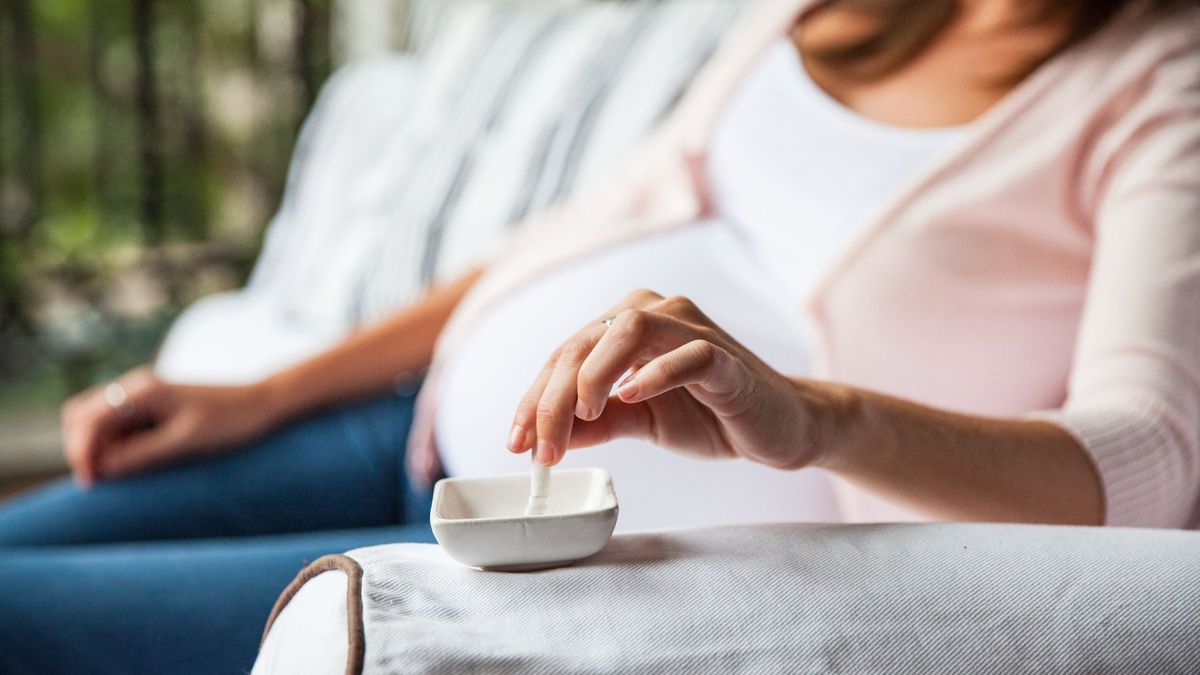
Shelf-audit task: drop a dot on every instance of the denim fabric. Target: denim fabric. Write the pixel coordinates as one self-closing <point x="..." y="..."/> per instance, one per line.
<point x="176" y="571"/>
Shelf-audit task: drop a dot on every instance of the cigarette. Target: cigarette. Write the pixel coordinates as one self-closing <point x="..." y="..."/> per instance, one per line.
<point x="539" y="488"/>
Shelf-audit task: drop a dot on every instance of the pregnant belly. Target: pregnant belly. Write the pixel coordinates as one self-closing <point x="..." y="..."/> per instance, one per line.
<point x="484" y="380"/>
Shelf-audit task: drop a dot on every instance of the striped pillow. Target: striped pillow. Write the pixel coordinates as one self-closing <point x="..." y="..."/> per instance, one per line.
<point x="518" y="105"/>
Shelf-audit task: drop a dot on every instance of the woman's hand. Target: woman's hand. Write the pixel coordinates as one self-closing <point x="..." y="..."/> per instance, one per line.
<point x="692" y="388"/>
<point x="156" y="423"/>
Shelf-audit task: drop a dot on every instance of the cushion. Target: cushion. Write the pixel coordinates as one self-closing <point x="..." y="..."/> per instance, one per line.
<point x="301" y="297"/>
<point x="910" y="598"/>
<point x="409" y="168"/>
<point x="522" y="104"/>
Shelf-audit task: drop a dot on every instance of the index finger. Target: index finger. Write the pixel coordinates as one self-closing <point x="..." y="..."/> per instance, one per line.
<point x="635" y="337"/>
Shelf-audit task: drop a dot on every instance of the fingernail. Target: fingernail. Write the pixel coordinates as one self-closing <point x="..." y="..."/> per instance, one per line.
<point x="545" y="452"/>
<point x="582" y="410"/>
<point x="515" y="438"/>
<point x="628" y="389"/>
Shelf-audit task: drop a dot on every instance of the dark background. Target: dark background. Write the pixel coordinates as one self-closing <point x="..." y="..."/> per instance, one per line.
<point x="143" y="147"/>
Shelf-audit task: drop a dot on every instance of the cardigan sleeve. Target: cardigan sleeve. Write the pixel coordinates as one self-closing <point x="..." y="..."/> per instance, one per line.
<point x="1134" y="393"/>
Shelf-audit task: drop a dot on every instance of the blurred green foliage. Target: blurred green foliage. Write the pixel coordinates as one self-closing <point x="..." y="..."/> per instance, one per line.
<point x="143" y="145"/>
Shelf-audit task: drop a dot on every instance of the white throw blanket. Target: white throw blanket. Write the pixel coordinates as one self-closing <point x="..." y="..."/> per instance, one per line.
<point x="773" y="598"/>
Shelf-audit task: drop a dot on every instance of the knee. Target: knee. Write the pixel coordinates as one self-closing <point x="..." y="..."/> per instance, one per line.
<point x="47" y="516"/>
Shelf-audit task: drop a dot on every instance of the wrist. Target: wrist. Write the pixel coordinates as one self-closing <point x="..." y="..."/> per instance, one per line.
<point x="840" y="414"/>
<point x="274" y="399"/>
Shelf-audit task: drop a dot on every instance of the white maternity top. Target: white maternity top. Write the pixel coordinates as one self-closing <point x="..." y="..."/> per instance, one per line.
<point x="794" y="176"/>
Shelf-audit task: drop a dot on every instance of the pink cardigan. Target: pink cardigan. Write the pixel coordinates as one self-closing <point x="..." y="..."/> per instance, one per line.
<point x="1046" y="266"/>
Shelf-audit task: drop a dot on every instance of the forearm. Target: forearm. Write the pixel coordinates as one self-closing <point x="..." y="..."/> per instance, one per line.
<point x="369" y="360"/>
<point x="961" y="467"/>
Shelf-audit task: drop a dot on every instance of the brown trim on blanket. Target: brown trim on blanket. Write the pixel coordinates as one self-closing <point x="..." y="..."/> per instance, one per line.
<point x="354" y="607"/>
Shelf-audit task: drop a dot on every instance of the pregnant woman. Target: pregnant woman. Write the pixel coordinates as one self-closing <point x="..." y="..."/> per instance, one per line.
<point x="945" y="252"/>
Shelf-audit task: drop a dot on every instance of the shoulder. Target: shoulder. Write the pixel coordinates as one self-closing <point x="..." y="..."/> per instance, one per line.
<point x="1143" y="73"/>
<point x="1160" y="48"/>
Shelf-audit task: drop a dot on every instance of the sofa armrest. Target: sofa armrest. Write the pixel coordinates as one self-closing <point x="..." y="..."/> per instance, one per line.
<point x="770" y="598"/>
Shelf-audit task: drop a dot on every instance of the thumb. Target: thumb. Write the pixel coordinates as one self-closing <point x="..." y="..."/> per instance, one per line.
<point x="142" y="450"/>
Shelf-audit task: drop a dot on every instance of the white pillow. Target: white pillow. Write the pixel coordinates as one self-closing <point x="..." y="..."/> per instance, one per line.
<point x="518" y="105"/>
<point x="410" y="166"/>
<point x="912" y="598"/>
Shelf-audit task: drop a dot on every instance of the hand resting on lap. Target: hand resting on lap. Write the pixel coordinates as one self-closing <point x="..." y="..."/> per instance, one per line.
<point x="156" y="424"/>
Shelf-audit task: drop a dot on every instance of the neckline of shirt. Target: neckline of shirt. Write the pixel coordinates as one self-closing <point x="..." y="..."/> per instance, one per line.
<point x="785" y="52"/>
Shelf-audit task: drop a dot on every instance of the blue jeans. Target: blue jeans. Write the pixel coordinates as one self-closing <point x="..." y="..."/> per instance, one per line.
<point x="176" y="571"/>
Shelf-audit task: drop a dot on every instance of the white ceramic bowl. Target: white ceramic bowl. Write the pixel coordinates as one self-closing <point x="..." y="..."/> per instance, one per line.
<point x="481" y="522"/>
